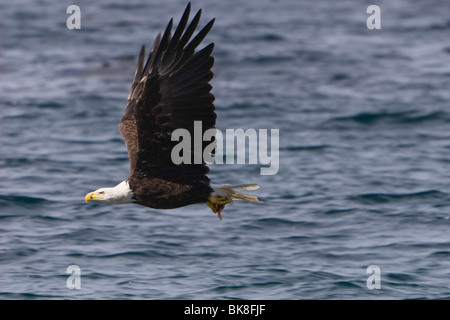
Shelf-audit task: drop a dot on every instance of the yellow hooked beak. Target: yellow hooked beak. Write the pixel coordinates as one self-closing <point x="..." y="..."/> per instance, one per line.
<point x="91" y="196"/>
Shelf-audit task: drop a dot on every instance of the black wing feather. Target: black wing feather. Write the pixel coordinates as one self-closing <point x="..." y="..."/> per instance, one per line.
<point x="172" y="92"/>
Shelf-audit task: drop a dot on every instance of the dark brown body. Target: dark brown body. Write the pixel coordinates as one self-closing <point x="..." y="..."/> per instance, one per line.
<point x="162" y="194"/>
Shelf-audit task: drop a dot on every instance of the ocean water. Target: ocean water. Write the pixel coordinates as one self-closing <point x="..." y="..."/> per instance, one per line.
<point x="364" y="154"/>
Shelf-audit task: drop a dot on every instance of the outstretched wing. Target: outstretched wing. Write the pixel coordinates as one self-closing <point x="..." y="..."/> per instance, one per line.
<point x="170" y="92"/>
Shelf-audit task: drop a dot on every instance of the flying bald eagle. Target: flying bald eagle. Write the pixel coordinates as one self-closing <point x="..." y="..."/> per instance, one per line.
<point x="170" y="92"/>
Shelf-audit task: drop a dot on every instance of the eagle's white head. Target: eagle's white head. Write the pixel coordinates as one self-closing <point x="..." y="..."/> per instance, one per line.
<point x="116" y="195"/>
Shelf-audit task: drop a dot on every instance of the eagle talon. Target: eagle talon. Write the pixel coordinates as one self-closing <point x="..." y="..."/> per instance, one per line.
<point x="216" y="204"/>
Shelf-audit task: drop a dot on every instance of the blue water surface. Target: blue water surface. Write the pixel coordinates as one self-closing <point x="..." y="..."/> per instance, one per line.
<point x="364" y="153"/>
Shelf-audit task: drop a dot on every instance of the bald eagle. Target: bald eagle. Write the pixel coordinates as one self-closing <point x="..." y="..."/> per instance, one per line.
<point x="171" y="91"/>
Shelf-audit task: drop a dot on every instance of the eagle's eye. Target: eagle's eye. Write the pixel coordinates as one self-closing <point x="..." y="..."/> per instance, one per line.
<point x="101" y="192"/>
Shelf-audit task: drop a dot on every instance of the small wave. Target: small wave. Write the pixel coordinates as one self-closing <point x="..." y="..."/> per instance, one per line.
<point x="279" y="222"/>
<point x="313" y="55"/>
<point x="136" y="254"/>
<point x="27" y="296"/>
<point x="242" y="106"/>
<point x="339" y="211"/>
<point x="441" y="254"/>
<point x="305" y="148"/>
<point x="7" y="200"/>
<point x="272" y="37"/>
<point x="440" y="26"/>
<point x="388" y="197"/>
<point x="267" y="284"/>
<point x="263" y="59"/>
<point x="269" y="36"/>
<point x="404" y="117"/>
<point x="225" y="288"/>
<point x="50" y="105"/>
<point x="348" y="284"/>
<point x="337" y="77"/>
<point x="14" y="254"/>
<point x="401" y="277"/>
<point x="124" y="6"/>
<point x="321" y="275"/>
